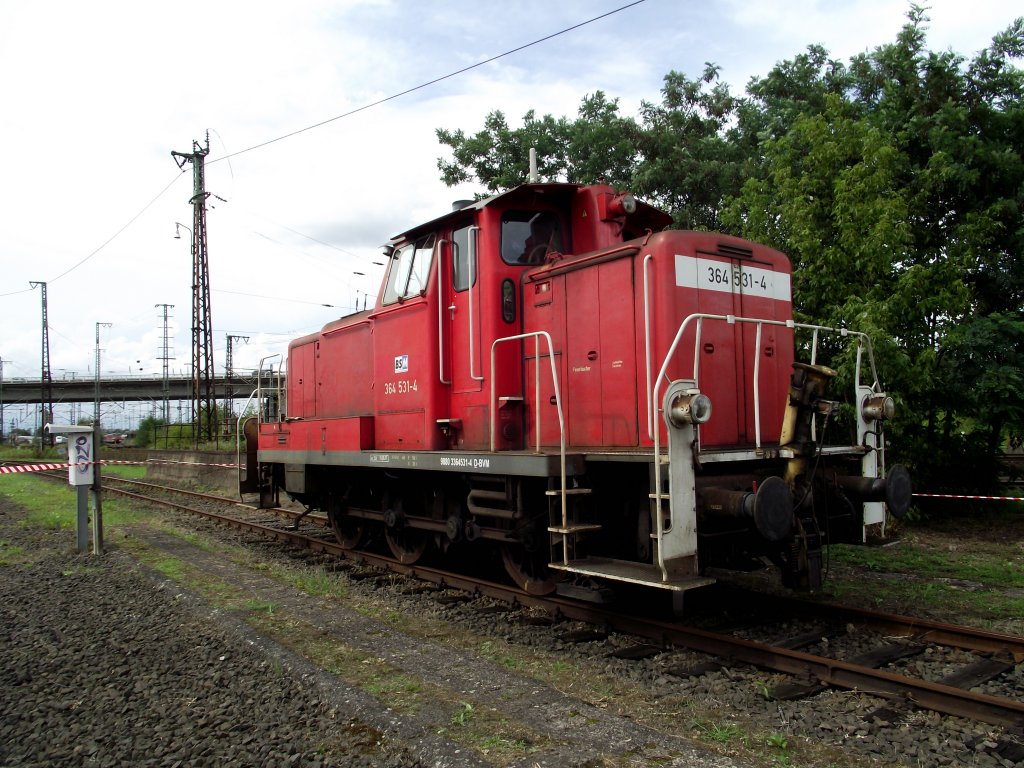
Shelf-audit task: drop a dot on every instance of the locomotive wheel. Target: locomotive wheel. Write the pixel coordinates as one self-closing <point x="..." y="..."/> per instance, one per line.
<point x="406" y="544"/>
<point x="529" y="570"/>
<point x="348" y="531"/>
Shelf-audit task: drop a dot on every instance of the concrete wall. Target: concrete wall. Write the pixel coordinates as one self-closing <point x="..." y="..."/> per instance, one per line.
<point x="193" y="468"/>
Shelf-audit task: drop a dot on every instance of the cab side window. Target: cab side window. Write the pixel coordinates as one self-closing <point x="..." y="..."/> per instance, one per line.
<point x="410" y="268"/>
<point x="528" y="236"/>
<point x="461" y="277"/>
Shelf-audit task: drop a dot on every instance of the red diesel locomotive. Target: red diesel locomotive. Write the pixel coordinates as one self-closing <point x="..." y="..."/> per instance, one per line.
<point x="552" y="372"/>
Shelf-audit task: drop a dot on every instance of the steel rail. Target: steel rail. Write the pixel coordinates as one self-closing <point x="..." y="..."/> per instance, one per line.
<point x="926" y="630"/>
<point x="830" y="672"/>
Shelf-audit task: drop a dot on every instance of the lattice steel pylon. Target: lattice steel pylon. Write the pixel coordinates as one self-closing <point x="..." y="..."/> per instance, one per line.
<point x="229" y="397"/>
<point x="45" y="379"/>
<point x="165" y="358"/>
<point x="204" y="402"/>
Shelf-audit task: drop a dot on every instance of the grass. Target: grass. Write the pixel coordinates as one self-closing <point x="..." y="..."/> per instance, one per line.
<point x="719" y="733"/>
<point x="993" y="569"/>
<point x="259" y="606"/>
<point x="125" y="471"/>
<point x="466" y="722"/>
<point x="970" y="569"/>
<point x="54" y="506"/>
<point x="396" y="685"/>
<point x="13" y="554"/>
<point x="500" y="653"/>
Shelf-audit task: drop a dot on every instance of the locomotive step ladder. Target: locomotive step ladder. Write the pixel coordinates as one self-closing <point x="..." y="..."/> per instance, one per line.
<point x="570" y="525"/>
<point x="651" y="574"/>
<point x="675" y="557"/>
<point x="565" y="515"/>
<point x="633" y="572"/>
<point x="672" y="505"/>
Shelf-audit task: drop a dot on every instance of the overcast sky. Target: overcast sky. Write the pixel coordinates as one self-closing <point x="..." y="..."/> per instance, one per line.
<point x="96" y="95"/>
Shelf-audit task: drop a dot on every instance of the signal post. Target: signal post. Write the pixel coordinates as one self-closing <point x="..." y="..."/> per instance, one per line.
<point x="82" y="474"/>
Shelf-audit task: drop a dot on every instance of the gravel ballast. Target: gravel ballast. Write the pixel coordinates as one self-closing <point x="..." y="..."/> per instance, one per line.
<point x="105" y="662"/>
<point x="103" y="665"/>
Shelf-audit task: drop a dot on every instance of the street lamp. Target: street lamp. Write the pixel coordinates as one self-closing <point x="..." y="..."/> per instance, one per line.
<point x="2" y="361"/>
<point x="96" y="393"/>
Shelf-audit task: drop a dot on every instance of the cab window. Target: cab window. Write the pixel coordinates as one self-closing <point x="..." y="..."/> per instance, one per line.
<point x="410" y="267"/>
<point x="460" y="259"/>
<point x="528" y="236"/>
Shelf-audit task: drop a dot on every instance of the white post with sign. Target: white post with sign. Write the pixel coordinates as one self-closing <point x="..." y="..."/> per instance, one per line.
<point x="81" y="460"/>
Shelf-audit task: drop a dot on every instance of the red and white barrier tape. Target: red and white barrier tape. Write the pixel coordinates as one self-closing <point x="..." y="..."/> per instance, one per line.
<point x="954" y="496"/>
<point x="10" y="469"/>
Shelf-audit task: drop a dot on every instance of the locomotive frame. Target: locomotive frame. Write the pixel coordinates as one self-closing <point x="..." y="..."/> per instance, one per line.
<point x="552" y="370"/>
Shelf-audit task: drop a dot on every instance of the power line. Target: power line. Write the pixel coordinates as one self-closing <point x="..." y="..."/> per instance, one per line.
<point x="363" y="108"/>
<point x="110" y="239"/>
<point x="436" y="80"/>
<point x="274" y="298"/>
<point x="308" y="237"/>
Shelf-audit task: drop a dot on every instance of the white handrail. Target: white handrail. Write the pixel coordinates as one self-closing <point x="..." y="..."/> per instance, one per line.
<point x="700" y="317"/>
<point x="648" y="342"/>
<point x="238" y="434"/>
<point x="472" y="281"/>
<point x="536" y="335"/>
<point x="440" y="307"/>
<point x="259" y="385"/>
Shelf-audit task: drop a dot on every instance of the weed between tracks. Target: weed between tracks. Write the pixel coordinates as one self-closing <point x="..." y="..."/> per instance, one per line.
<point x="472" y="724"/>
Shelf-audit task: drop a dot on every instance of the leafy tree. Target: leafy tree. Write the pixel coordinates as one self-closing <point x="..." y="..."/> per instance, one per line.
<point x="598" y="144"/>
<point x="689" y="159"/>
<point x="498" y="156"/>
<point x="896" y="186"/>
<point x="680" y="155"/>
<point x="146" y="434"/>
<point x="601" y="143"/>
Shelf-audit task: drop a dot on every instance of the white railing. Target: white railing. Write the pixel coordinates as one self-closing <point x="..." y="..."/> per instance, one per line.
<point x="536" y="336"/>
<point x="654" y="385"/>
<point x="277" y="389"/>
<point x="239" y="437"/>
<point x="699" y="318"/>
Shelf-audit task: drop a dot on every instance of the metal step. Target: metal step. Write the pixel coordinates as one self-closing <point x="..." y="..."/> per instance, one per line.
<point x="575" y="528"/>
<point x="569" y="492"/>
<point x="634" y="573"/>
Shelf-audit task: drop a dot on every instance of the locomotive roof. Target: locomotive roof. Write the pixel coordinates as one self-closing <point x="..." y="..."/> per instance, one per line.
<point x="559" y="194"/>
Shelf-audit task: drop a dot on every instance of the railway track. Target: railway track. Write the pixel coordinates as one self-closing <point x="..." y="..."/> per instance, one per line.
<point x="882" y="663"/>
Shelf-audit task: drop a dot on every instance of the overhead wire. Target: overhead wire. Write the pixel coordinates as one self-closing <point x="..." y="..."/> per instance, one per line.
<point x="429" y="83"/>
<point x="322" y="123"/>
<point x="110" y="239"/>
<point x="272" y="298"/>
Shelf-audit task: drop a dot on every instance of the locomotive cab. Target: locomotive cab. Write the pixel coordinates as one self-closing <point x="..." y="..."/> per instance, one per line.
<point x="554" y="372"/>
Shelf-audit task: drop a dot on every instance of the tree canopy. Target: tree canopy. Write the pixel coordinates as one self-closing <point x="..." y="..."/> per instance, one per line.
<point x="895" y="183"/>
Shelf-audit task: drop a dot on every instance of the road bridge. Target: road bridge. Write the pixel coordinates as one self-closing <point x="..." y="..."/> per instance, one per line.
<point x="127" y="388"/>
